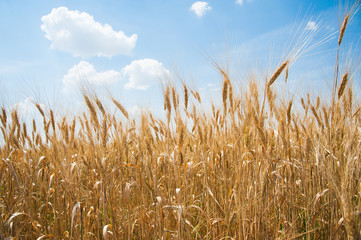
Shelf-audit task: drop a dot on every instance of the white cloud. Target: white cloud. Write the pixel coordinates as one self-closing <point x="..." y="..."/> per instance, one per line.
<point x="311" y="26"/>
<point x="85" y="72"/>
<point x="140" y="74"/>
<point x="328" y="27"/>
<point x="25" y="107"/>
<point x="143" y="73"/>
<point x="200" y="8"/>
<point x="78" y="33"/>
<point x="240" y="2"/>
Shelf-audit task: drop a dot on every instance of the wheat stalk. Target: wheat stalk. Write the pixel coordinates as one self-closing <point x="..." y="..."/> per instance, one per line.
<point x="100" y="105"/>
<point x="174" y="98"/>
<point x="185" y="96"/>
<point x="225" y="94"/>
<point x="343" y="28"/>
<point x="52" y="121"/>
<point x="276" y="74"/>
<point x="289" y="117"/>
<point x="3" y="117"/>
<point x="104" y="133"/>
<point x="342" y="87"/>
<point x="92" y="110"/>
<point x="121" y="108"/>
<point x="40" y="109"/>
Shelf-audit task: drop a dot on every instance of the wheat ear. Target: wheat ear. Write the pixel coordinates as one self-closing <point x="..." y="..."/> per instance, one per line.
<point x="277" y="73"/>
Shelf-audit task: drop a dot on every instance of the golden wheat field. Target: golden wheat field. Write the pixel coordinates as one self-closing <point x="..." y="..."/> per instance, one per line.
<point x="253" y="167"/>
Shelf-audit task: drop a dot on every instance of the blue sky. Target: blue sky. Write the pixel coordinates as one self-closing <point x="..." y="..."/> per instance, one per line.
<point x="48" y="48"/>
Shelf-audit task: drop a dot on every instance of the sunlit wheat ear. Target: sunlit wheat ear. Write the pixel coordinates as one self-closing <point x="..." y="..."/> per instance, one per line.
<point x="350" y="97"/>
<point x="65" y="131"/>
<point x="52" y="120"/>
<point x="318" y="102"/>
<point x="181" y="131"/>
<point x="225" y="93"/>
<point x="326" y="116"/>
<point x="308" y="99"/>
<point x="40" y="109"/>
<point x="225" y="86"/>
<point x="93" y="113"/>
<point x="121" y="108"/>
<point x="289" y="111"/>
<point x="343" y="28"/>
<point x="24" y="130"/>
<point x="104" y="132"/>
<point x="277" y="73"/>
<point x="3" y="117"/>
<point x="314" y="111"/>
<point x="270" y="97"/>
<point x="15" y="118"/>
<point x="167" y="104"/>
<point x="34" y="126"/>
<point x="100" y="105"/>
<point x="174" y="98"/>
<point x="197" y="96"/>
<point x="72" y="130"/>
<point x="185" y="96"/>
<point x="342" y="87"/>
<point x="303" y="104"/>
<point x="230" y="95"/>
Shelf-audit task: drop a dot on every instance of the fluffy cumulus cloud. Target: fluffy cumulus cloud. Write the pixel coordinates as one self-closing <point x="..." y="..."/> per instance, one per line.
<point x="143" y="73"/>
<point x="78" y="33"/>
<point x="140" y="74"/>
<point x="240" y="2"/>
<point x="200" y="8"/>
<point x="85" y="72"/>
<point x="311" y="26"/>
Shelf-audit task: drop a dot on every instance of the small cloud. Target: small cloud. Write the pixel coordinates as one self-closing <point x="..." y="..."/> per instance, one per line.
<point x="78" y="33"/>
<point x="25" y="107"/>
<point x="143" y="73"/>
<point x="85" y="72"/>
<point x="330" y="28"/>
<point x="311" y="26"/>
<point x="200" y="8"/>
<point x="240" y="2"/>
<point x="211" y="85"/>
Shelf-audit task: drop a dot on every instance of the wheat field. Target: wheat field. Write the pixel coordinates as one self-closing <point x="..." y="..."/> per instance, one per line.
<point x="254" y="167"/>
